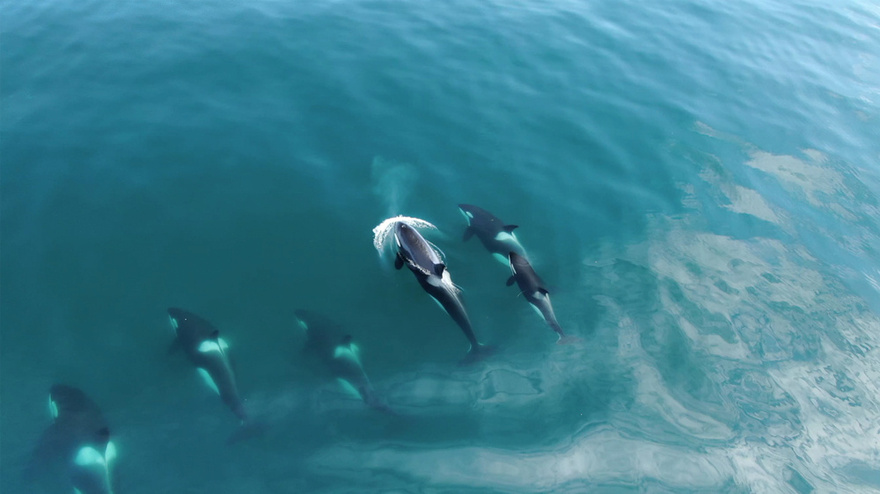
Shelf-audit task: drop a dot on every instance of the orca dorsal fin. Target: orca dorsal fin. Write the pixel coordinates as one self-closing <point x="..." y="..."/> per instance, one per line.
<point x="511" y="280"/>
<point x="510" y="228"/>
<point x="398" y="261"/>
<point x="468" y="233"/>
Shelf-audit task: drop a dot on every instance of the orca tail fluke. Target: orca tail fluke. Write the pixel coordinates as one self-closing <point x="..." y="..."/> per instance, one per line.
<point x="563" y="338"/>
<point x="383" y="407"/>
<point x="568" y="340"/>
<point x="247" y="430"/>
<point x="477" y="353"/>
<point x="375" y="402"/>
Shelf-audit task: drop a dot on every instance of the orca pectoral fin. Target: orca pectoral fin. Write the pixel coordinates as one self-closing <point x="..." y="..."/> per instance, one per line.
<point x="398" y="261"/>
<point x="468" y="233"/>
<point x="511" y="280"/>
<point x="543" y="290"/>
<point x="510" y="228"/>
<point x="439" y="268"/>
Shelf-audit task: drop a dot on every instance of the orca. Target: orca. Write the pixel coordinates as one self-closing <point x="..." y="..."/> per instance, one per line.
<point x="429" y="269"/>
<point x="496" y="236"/>
<point x="202" y="344"/>
<point x="337" y="352"/>
<point x="532" y="286"/>
<point x="78" y="442"/>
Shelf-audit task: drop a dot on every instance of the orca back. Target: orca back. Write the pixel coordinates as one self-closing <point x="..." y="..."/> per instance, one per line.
<point x="416" y="250"/>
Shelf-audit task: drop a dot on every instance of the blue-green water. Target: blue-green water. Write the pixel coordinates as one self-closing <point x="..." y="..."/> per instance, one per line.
<point x="696" y="180"/>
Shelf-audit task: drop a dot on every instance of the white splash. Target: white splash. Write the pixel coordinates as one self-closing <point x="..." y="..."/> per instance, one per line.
<point x="384" y="229"/>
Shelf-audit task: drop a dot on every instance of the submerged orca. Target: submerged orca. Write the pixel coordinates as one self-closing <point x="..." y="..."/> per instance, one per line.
<point x="336" y="350"/>
<point x="204" y="347"/>
<point x="532" y="286"/>
<point x="78" y="441"/>
<point x="497" y="237"/>
<point x="429" y="269"/>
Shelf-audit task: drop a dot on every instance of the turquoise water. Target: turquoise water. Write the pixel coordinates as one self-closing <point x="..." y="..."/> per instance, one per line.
<point x="697" y="182"/>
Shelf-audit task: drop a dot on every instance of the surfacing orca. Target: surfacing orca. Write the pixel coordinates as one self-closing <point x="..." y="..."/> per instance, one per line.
<point x="337" y="352"/>
<point x="532" y="286"/>
<point x="429" y="269"/>
<point x="78" y="441"/>
<point x="202" y="344"/>
<point x="497" y="237"/>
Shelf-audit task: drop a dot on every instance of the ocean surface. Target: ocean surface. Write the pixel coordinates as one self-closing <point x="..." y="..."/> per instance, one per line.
<point x="697" y="182"/>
